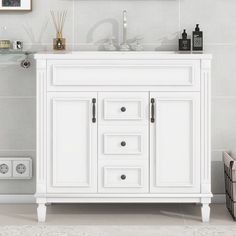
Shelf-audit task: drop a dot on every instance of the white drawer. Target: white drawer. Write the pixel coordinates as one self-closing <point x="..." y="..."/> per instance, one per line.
<point x="123" y="178"/>
<point x="123" y="142"/>
<point x="123" y="109"/>
<point x="181" y="73"/>
<point x="131" y="107"/>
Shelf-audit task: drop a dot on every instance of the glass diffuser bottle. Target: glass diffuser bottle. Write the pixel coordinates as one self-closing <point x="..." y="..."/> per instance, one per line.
<point x="59" y="43"/>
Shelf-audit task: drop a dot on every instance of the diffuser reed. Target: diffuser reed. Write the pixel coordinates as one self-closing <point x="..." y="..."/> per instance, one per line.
<point x="59" y="18"/>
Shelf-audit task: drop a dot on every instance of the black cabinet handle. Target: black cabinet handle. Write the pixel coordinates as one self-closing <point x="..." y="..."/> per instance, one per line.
<point x="94" y="110"/>
<point x="123" y="109"/>
<point x="152" y="110"/>
<point x="123" y="143"/>
<point x="123" y="177"/>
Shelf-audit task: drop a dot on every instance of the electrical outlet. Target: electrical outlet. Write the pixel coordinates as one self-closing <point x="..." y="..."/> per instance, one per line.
<point x="15" y="168"/>
<point x="22" y="168"/>
<point x="5" y="169"/>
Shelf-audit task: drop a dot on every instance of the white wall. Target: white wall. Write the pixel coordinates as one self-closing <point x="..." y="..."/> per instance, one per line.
<point x="159" y="22"/>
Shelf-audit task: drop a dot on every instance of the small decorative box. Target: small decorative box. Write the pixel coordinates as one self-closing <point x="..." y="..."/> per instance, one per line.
<point x="5" y="44"/>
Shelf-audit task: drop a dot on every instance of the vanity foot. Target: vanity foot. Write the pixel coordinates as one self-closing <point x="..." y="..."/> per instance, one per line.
<point x="41" y="211"/>
<point x="205" y="209"/>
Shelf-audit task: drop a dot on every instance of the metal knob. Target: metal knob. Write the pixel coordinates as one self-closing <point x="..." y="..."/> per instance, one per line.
<point x="123" y="109"/>
<point x="25" y="63"/>
<point x="123" y="143"/>
<point x="123" y="177"/>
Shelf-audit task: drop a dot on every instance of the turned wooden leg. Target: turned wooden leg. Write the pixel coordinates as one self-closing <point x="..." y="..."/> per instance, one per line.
<point x="41" y="211"/>
<point x="205" y="212"/>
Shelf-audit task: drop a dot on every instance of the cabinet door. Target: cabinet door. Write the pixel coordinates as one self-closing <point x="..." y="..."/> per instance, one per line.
<point x="175" y="143"/>
<point x="72" y="143"/>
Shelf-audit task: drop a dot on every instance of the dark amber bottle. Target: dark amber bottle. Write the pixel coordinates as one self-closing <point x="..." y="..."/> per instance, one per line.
<point x="184" y="43"/>
<point x="197" y="39"/>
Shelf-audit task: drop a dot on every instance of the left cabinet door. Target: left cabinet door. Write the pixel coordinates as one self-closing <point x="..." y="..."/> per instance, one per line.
<point x="72" y="142"/>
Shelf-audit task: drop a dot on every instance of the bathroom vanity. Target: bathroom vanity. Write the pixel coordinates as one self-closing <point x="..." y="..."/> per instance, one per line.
<point x="131" y="127"/>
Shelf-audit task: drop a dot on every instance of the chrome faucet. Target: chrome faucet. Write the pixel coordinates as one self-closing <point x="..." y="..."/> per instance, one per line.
<point x="124" y="26"/>
<point x="124" y="45"/>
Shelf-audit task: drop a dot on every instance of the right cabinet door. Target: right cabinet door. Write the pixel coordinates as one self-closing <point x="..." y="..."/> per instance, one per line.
<point x="175" y="142"/>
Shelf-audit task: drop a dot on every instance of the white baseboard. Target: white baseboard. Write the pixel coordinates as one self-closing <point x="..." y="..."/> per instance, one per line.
<point x="17" y="199"/>
<point x="29" y="199"/>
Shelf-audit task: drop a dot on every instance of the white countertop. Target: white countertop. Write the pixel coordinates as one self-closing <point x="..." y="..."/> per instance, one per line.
<point x="121" y="55"/>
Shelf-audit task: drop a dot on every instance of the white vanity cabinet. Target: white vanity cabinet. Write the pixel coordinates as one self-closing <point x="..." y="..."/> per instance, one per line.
<point x="123" y="127"/>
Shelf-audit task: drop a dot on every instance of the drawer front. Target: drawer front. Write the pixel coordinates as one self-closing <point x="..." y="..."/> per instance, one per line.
<point x="123" y="107"/>
<point x="183" y="74"/>
<point x="123" y="177"/>
<point x="123" y="143"/>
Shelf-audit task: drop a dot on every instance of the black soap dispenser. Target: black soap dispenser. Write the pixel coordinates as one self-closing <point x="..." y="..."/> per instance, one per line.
<point x="184" y="43"/>
<point x="197" y="39"/>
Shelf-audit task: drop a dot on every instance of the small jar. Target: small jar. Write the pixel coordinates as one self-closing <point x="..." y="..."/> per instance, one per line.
<point x="17" y="45"/>
<point x="5" y="44"/>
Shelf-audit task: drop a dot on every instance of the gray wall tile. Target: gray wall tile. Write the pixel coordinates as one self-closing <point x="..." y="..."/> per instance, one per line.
<point x="223" y="124"/>
<point x="17" y="123"/>
<point x="19" y="186"/>
<point x="216" y="18"/>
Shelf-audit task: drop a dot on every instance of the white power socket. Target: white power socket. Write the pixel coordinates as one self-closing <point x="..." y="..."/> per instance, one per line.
<point x="5" y="168"/>
<point x="22" y="169"/>
<point x="15" y="168"/>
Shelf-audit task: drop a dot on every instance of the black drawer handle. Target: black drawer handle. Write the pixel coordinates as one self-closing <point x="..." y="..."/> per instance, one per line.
<point x="123" y="109"/>
<point x="152" y="110"/>
<point x="123" y="177"/>
<point x="94" y="110"/>
<point x="123" y="143"/>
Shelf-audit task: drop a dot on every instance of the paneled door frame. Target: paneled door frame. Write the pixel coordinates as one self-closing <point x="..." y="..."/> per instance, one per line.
<point x="59" y="123"/>
<point x="160" y="168"/>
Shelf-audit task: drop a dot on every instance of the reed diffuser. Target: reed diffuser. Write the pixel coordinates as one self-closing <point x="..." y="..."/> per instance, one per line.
<point x="59" y="43"/>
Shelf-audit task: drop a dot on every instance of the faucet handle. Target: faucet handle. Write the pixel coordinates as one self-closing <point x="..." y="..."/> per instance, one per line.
<point x="136" y="46"/>
<point x="111" y="44"/>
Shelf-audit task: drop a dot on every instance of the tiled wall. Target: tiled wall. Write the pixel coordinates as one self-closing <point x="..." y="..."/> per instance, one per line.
<point x="158" y="22"/>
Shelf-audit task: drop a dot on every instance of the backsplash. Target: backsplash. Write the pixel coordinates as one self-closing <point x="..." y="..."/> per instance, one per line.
<point x="89" y="24"/>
